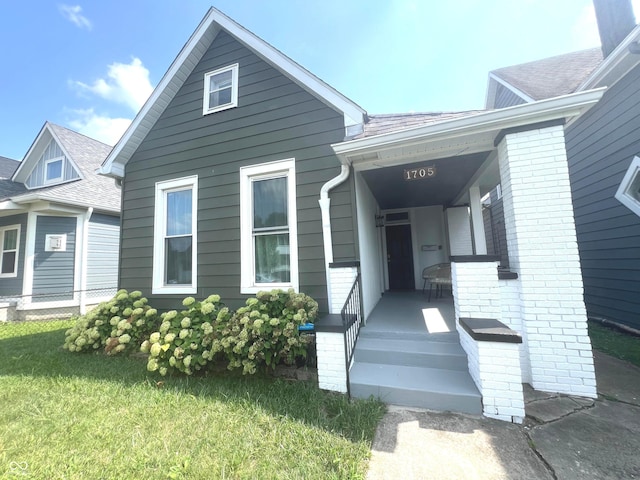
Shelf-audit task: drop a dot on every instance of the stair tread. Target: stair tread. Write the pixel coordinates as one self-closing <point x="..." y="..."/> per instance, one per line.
<point x="445" y="337"/>
<point x="451" y="382"/>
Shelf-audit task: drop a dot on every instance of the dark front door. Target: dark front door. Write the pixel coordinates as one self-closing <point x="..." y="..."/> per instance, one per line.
<point x="400" y="257"/>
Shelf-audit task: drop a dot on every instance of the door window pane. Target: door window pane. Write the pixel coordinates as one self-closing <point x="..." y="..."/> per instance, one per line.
<point x="270" y="203"/>
<point x="272" y="258"/>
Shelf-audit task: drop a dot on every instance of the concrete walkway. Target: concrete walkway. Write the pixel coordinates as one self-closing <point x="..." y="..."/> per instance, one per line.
<point x="562" y="438"/>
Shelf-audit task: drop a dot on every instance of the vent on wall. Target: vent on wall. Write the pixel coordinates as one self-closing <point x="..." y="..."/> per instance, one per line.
<point x="55" y="243"/>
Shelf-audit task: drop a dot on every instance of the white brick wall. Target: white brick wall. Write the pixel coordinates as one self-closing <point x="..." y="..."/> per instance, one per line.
<point x="542" y="246"/>
<point x="512" y="317"/>
<point x="332" y="371"/>
<point x="340" y="283"/>
<point x="476" y="291"/>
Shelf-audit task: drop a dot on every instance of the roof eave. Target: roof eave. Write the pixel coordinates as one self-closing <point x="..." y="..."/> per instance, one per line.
<point x="615" y="66"/>
<point x="566" y="106"/>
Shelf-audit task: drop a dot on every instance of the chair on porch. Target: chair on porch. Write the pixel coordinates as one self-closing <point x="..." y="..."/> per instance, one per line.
<point x="438" y="275"/>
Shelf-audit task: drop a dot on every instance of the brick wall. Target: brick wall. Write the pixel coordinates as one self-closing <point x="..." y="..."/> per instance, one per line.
<point x="543" y="250"/>
<point x="512" y="317"/>
<point x="332" y="371"/>
<point x="340" y="280"/>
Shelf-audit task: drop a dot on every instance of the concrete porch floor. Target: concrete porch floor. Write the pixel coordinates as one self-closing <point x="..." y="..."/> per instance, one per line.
<point x="403" y="312"/>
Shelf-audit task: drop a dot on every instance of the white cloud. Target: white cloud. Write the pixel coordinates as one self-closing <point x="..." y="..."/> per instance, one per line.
<point x="103" y="128"/>
<point x="127" y="84"/>
<point x="73" y="13"/>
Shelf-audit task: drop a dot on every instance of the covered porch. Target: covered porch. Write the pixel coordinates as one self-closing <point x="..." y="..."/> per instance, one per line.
<point x="418" y="199"/>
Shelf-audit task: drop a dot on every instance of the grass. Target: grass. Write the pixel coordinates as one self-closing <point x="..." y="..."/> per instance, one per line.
<point x="77" y="416"/>
<point x="615" y="343"/>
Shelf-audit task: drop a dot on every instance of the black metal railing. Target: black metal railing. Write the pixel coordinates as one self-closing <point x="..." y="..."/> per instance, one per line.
<point x="351" y="320"/>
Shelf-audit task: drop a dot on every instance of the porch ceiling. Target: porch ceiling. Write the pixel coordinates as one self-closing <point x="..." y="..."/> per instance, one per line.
<point x="391" y="189"/>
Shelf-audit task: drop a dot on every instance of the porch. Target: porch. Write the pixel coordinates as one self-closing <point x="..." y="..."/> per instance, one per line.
<point x="409" y="353"/>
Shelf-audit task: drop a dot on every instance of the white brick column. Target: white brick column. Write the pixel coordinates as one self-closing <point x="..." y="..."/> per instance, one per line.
<point x="543" y="250"/>
<point x="341" y="278"/>
<point x="476" y="292"/>
<point x="332" y="369"/>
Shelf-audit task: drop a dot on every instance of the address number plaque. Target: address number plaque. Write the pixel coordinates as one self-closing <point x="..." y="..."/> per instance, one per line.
<point x="420" y="173"/>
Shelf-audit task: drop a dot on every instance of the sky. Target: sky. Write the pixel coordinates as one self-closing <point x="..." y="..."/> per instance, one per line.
<point x="90" y="66"/>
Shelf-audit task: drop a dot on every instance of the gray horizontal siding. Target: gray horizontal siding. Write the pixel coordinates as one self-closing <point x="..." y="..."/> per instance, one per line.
<point x="12" y="286"/>
<point x="600" y="146"/>
<point x="275" y="120"/>
<point x="53" y="272"/>
<point x="506" y="98"/>
<point x="102" y="252"/>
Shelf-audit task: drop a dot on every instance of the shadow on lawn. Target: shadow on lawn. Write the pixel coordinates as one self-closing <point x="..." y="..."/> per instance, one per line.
<point x="41" y="354"/>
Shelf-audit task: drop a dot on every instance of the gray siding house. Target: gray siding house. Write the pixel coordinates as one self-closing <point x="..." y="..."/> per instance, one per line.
<point x="245" y="172"/>
<point x="603" y="151"/>
<point x="59" y="227"/>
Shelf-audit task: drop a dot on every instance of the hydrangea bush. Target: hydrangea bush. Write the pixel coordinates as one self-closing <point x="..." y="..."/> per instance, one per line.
<point x="265" y="331"/>
<point x="184" y="339"/>
<point x="118" y="325"/>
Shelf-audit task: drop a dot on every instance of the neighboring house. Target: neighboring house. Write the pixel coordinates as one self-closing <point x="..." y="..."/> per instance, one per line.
<point x="245" y="172"/>
<point x="59" y="226"/>
<point x="603" y="148"/>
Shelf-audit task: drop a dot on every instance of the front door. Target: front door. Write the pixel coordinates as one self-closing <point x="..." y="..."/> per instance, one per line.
<point x="400" y="257"/>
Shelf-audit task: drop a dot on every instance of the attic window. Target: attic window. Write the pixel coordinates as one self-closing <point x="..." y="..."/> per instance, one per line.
<point x="220" y="89"/>
<point x="53" y="170"/>
<point x="629" y="190"/>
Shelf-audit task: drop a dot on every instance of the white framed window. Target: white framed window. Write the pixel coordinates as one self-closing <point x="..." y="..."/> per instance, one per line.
<point x="9" y="245"/>
<point x="53" y="170"/>
<point x="175" y="236"/>
<point x="629" y="190"/>
<point x="268" y="227"/>
<point x="220" y="89"/>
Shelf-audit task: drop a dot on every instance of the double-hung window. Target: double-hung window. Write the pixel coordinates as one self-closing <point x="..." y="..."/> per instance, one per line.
<point x="9" y="242"/>
<point x="175" y="236"/>
<point x="269" y="243"/>
<point x="220" y="89"/>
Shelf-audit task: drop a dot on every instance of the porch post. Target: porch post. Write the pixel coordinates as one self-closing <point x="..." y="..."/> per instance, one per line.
<point x="477" y="222"/>
<point x="543" y="250"/>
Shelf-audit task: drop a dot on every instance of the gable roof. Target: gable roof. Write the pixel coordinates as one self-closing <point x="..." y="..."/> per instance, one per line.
<point x="86" y="154"/>
<point x="213" y="22"/>
<point x="546" y="78"/>
<point x="7" y="167"/>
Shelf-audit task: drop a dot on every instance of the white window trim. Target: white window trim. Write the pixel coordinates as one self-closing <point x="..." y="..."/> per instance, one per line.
<point x="158" y="286"/>
<point x="16" y="262"/>
<point x="623" y="195"/>
<point x="234" y="90"/>
<point x="49" y="181"/>
<point x="247" y="259"/>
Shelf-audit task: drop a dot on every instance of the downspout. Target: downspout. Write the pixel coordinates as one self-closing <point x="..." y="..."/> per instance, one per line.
<point x="325" y="203"/>
<point x="85" y="257"/>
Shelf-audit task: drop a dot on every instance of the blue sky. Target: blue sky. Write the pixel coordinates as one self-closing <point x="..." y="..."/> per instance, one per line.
<point x="90" y="66"/>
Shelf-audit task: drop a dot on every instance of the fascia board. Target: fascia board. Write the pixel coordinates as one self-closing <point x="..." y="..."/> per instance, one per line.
<point x="55" y="203"/>
<point x="25" y="163"/>
<point x="615" y="66"/>
<point x="543" y="110"/>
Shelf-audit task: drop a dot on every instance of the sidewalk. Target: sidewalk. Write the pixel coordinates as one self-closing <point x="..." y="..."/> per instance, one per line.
<point x="563" y="437"/>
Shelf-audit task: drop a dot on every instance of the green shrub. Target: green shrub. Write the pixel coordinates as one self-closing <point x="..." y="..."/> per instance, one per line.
<point x="118" y="325"/>
<point x="265" y="331"/>
<point x="184" y="340"/>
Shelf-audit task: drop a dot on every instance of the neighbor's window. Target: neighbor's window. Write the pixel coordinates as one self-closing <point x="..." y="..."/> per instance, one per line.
<point x="53" y="170"/>
<point x="175" y="242"/>
<point x="220" y="89"/>
<point x="269" y="245"/>
<point x="9" y="240"/>
<point x="629" y="190"/>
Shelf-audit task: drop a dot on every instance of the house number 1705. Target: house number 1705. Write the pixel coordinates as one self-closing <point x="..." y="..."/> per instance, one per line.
<point x="418" y="173"/>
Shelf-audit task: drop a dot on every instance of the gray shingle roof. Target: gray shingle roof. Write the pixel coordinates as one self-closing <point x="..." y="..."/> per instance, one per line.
<point x="7" y="167"/>
<point x="393" y="122"/>
<point x="553" y="76"/>
<point x="93" y="190"/>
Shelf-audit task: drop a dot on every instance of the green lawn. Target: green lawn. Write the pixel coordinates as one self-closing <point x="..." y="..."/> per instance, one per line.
<point x="79" y="416"/>
<point x="615" y="343"/>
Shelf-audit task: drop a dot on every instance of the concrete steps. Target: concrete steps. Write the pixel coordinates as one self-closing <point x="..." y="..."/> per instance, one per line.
<point x="426" y="371"/>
